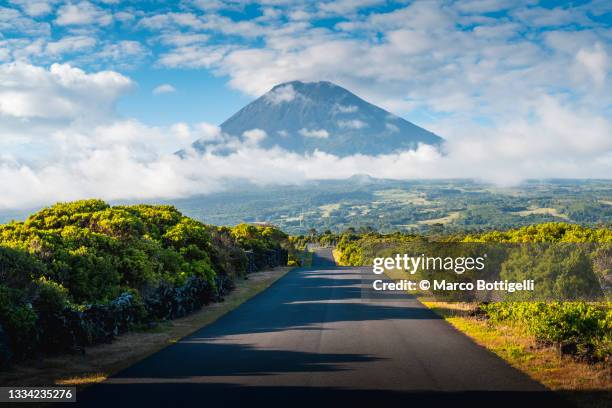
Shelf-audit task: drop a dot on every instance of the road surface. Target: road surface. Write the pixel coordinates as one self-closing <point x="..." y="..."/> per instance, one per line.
<point x="310" y="339"/>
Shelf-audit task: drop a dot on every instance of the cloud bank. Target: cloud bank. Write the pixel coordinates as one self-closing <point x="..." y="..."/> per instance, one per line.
<point x="524" y="94"/>
<point x="124" y="159"/>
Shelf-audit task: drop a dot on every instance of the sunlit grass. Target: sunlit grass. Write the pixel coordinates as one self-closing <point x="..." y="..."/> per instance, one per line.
<point x="82" y="380"/>
<point x="512" y="343"/>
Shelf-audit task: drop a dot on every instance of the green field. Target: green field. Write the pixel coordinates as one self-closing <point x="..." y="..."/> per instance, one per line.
<point x="385" y="205"/>
<point x="388" y="205"/>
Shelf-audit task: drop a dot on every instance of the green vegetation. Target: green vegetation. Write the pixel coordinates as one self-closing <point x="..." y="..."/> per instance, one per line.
<point x="553" y="232"/>
<point x="567" y="261"/>
<point x="581" y="379"/>
<point x="80" y="273"/>
<point x="577" y="328"/>
<point x="419" y="206"/>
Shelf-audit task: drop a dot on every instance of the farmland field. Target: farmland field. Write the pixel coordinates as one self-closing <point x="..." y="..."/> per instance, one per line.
<point x="419" y="206"/>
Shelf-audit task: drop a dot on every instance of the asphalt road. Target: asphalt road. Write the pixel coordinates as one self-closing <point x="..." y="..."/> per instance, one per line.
<point x="310" y="339"/>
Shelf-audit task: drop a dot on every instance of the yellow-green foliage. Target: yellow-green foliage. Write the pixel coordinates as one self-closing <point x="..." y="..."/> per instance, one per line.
<point x="563" y="270"/>
<point x="78" y="273"/>
<point x="357" y="250"/>
<point x="566" y="261"/>
<point x="552" y="232"/>
<point x="96" y="251"/>
<point x="261" y="240"/>
<point x="258" y="237"/>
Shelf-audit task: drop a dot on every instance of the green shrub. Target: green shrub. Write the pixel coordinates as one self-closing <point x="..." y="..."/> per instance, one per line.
<point x="18" y="320"/>
<point x="265" y="242"/>
<point x="18" y="268"/>
<point x="81" y="273"/>
<point x="51" y="297"/>
<point x="580" y="328"/>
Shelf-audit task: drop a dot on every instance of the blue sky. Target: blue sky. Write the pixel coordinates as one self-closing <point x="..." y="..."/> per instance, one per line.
<point x="200" y="95"/>
<point x="136" y="38"/>
<point x="521" y="87"/>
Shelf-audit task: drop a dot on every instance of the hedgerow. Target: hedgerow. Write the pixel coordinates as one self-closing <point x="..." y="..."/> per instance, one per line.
<point x="80" y="273"/>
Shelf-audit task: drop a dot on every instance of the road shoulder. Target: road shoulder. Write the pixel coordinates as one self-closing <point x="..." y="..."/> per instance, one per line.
<point x="101" y="361"/>
<point x="586" y="385"/>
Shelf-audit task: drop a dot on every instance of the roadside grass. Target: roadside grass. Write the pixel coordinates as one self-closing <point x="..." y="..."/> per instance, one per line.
<point x="586" y="385"/>
<point x="101" y="361"/>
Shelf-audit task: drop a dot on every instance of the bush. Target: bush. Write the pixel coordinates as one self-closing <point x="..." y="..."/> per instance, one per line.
<point x="81" y="273"/>
<point x="18" y="320"/>
<point x="51" y="297"/>
<point x="95" y="250"/>
<point x="578" y="328"/>
<point x="18" y="268"/>
<point x="168" y="302"/>
<point x="265" y="243"/>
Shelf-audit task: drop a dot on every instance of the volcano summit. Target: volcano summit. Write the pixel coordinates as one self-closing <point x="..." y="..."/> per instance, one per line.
<point x="306" y="116"/>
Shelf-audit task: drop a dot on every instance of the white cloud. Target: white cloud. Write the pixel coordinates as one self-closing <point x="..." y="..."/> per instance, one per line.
<point x="125" y="52"/>
<point x="315" y="133"/>
<point x="424" y="61"/>
<point x="70" y="44"/>
<point x="207" y="132"/>
<point x="35" y="8"/>
<point x="124" y="16"/>
<point x="82" y="13"/>
<point x="281" y="94"/>
<point x="254" y="136"/>
<point x="346" y="108"/>
<point x="208" y="5"/>
<point x="484" y="6"/>
<point x="352" y="124"/>
<point x="393" y="128"/>
<point x="126" y="159"/>
<point x="595" y="61"/>
<point x="548" y="17"/>
<point x="171" y="20"/>
<point x="194" y="56"/>
<point x="12" y="21"/>
<point x="163" y="89"/>
<point x="344" y="7"/>
<point x="182" y="39"/>
<point x="61" y="92"/>
<point x="522" y="96"/>
<point x="109" y="162"/>
<point x="409" y="42"/>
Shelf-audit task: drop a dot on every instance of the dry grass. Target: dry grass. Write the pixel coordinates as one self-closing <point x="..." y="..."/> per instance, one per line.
<point x="541" y="211"/>
<point x="443" y="220"/>
<point x="103" y="360"/>
<point x="587" y="385"/>
<point x="401" y="196"/>
<point x="328" y="209"/>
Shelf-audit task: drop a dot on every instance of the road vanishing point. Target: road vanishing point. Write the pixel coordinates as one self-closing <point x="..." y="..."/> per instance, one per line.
<point x="311" y="339"/>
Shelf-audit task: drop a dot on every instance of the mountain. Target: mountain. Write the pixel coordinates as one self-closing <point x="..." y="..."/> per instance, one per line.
<point x="305" y="116"/>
